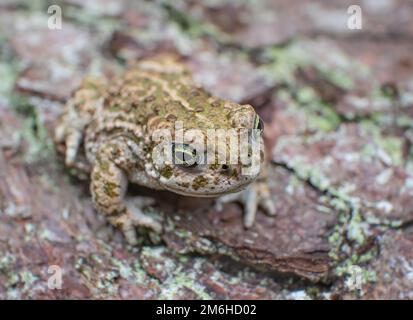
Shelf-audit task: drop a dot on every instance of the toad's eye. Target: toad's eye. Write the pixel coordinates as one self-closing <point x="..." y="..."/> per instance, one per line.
<point x="184" y="155"/>
<point x="258" y="123"/>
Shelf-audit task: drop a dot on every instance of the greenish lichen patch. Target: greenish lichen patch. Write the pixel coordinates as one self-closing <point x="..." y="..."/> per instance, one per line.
<point x="391" y="146"/>
<point x="34" y="132"/>
<point x="334" y="67"/>
<point x="181" y="280"/>
<point x="166" y="172"/>
<point x="8" y="75"/>
<point x="316" y="115"/>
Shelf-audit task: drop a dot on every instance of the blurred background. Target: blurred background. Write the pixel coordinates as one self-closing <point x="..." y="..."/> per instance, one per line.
<point x="338" y="106"/>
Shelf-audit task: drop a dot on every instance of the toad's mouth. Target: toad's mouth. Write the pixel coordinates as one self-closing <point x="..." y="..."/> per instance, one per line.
<point x="207" y="193"/>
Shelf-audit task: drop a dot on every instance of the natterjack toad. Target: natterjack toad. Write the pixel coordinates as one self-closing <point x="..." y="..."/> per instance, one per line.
<point x="125" y="129"/>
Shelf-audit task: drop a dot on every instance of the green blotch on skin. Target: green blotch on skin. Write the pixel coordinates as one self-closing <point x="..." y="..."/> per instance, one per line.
<point x="214" y="166"/>
<point x="234" y="174"/>
<point x="166" y="172"/>
<point x="109" y="189"/>
<point x="103" y="165"/>
<point x="199" y="182"/>
<point x="96" y="176"/>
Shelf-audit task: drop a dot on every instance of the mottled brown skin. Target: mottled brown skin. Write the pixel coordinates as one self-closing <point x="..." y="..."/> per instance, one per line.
<point x="115" y="122"/>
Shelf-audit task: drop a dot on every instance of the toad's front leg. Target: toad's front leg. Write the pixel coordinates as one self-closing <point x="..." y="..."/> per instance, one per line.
<point x="108" y="187"/>
<point x="256" y="195"/>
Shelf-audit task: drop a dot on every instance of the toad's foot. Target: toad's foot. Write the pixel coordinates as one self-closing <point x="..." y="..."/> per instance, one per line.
<point x="76" y="117"/>
<point x="134" y="218"/>
<point x="256" y="195"/>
